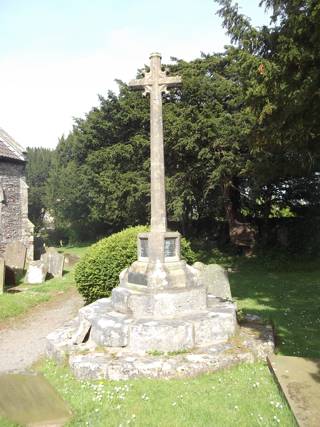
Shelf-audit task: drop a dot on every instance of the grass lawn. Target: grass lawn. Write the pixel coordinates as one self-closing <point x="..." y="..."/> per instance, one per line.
<point x="17" y="303"/>
<point x="245" y="395"/>
<point x="286" y="292"/>
<point x="79" y="250"/>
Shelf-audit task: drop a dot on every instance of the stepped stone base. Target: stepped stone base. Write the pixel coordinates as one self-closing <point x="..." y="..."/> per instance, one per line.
<point x="110" y="328"/>
<point x="157" y="309"/>
<point x="252" y="341"/>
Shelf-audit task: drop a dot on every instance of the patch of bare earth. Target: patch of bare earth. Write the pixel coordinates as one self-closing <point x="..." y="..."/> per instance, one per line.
<point x="22" y="340"/>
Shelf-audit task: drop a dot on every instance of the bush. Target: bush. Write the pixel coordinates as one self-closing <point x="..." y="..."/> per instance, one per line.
<point x="98" y="272"/>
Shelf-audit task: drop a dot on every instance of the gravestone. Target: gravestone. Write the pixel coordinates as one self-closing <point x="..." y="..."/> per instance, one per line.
<point x="215" y="278"/>
<point x="37" y="272"/>
<point x="15" y="255"/>
<point x="30" y="400"/>
<point x="299" y="381"/>
<point x="2" y="275"/>
<point x="53" y="261"/>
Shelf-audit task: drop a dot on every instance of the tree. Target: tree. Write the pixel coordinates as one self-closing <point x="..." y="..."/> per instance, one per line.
<point x="279" y="70"/>
<point x="103" y="161"/>
<point x="39" y="162"/>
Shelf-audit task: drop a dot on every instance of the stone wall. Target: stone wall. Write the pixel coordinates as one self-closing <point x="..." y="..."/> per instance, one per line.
<point x="14" y="222"/>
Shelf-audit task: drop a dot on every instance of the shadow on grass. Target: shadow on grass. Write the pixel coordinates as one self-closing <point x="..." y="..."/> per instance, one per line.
<point x="288" y="295"/>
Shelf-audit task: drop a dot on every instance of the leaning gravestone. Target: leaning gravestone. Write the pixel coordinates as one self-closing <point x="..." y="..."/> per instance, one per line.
<point x="215" y="278"/>
<point x="15" y="255"/>
<point x="54" y="262"/>
<point x="2" y="275"/>
<point x="37" y="272"/>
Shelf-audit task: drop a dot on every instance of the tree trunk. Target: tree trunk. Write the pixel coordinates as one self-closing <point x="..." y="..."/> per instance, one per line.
<point x="241" y="234"/>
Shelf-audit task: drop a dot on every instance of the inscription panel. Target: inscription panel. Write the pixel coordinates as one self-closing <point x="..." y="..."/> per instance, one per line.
<point x="170" y="247"/>
<point x="144" y="248"/>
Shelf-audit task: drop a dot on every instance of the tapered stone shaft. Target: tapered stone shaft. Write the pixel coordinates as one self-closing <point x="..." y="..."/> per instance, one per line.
<point x="158" y="197"/>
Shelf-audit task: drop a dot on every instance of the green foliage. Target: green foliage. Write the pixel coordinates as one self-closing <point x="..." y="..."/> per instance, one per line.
<point x="99" y="182"/>
<point x="241" y="135"/>
<point x="278" y="65"/>
<point x="37" y="171"/>
<point x="98" y="272"/>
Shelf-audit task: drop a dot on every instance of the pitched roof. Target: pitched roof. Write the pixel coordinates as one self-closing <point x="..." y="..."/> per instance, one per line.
<point x="9" y="148"/>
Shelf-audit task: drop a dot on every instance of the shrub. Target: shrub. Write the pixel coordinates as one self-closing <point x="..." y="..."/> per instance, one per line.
<point x="98" y="271"/>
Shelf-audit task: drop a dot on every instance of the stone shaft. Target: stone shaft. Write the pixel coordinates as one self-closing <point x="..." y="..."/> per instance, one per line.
<point x="158" y="198"/>
<point x="156" y="82"/>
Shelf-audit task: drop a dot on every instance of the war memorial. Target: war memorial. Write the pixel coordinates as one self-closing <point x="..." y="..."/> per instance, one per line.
<point x="162" y="320"/>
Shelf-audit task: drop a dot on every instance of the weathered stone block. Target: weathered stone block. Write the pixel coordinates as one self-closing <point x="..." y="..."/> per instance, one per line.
<point x="120" y="299"/>
<point x="121" y="370"/>
<point x="54" y="262"/>
<point x="111" y="330"/>
<point x="90" y="366"/>
<point x="169" y="303"/>
<point x="37" y="272"/>
<point x="215" y="278"/>
<point x="156" y="276"/>
<point x="82" y="332"/>
<point x="59" y="342"/>
<point x="15" y="255"/>
<point x="161" y="335"/>
<point x="214" y="327"/>
<point x="96" y="309"/>
<point x="162" y="304"/>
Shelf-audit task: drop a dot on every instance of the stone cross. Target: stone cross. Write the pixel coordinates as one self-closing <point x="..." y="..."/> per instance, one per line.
<point x="156" y="82"/>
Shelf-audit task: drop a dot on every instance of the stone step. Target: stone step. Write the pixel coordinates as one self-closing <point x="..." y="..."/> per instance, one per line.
<point x="95" y="309"/>
<point x="161" y="335"/>
<point x="115" y="329"/>
<point x="111" y="330"/>
<point x="165" y="304"/>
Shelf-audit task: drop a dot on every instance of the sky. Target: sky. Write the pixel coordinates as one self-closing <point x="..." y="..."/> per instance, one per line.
<point x="56" y="56"/>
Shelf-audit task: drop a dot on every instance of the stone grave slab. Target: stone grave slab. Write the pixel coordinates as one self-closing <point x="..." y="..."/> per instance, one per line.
<point x="215" y="278"/>
<point x="37" y="272"/>
<point x="54" y="262"/>
<point x="299" y="380"/>
<point x="2" y="275"/>
<point x="15" y="255"/>
<point x="30" y="400"/>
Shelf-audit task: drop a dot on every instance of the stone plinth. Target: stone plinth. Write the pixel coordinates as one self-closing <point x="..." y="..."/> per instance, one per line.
<point x="92" y="361"/>
<point x="144" y="303"/>
<point x="160" y="321"/>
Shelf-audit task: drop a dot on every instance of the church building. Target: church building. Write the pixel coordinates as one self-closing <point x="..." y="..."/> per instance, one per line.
<point x="14" y="222"/>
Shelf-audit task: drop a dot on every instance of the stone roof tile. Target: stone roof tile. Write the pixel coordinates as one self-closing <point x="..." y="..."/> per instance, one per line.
<point x="9" y="148"/>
